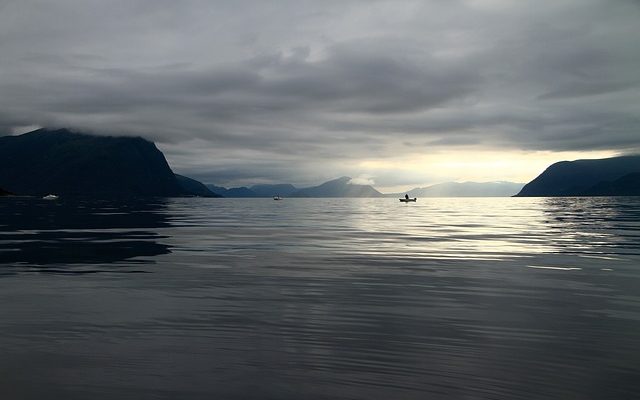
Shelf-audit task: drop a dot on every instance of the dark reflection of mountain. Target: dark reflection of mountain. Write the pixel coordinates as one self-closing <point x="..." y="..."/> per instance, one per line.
<point x="69" y="234"/>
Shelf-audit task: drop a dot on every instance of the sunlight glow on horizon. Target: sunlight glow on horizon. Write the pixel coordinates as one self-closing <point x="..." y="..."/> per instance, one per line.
<point x="471" y="166"/>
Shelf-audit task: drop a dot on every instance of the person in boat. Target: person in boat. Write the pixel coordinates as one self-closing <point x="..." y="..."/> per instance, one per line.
<point x="406" y="196"/>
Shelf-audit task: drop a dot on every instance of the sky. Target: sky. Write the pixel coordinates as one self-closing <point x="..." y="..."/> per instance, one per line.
<point x="397" y="94"/>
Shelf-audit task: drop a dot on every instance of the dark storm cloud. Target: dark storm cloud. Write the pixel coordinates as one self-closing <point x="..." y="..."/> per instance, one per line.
<point x="362" y="77"/>
<point x="229" y="88"/>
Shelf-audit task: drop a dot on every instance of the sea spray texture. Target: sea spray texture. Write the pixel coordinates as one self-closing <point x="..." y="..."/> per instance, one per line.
<point x="517" y="298"/>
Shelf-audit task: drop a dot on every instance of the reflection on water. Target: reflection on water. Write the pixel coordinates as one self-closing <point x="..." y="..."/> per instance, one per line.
<point x="51" y="236"/>
<point x="321" y="298"/>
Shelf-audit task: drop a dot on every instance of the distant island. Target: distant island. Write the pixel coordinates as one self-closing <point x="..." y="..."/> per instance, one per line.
<point x="72" y="163"/>
<point x="4" y="192"/>
<point x="616" y="176"/>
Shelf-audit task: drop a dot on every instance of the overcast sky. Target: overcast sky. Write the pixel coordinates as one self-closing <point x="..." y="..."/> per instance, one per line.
<point x="395" y="93"/>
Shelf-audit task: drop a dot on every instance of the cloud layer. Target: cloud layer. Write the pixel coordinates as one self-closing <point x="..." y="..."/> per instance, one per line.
<point x="243" y="91"/>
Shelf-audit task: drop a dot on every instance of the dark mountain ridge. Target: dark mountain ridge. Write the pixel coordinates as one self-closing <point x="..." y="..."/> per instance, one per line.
<point x="233" y="192"/>
<point x="616" y="176"/>
<point x="71" y="163"/>
<point x="194" y="187"/>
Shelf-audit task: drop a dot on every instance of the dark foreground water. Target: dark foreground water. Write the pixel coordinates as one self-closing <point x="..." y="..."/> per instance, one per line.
<point x="320" y="299"/>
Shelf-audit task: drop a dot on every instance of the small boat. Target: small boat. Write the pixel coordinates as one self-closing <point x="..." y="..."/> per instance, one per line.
<point x="50" y="197"/>
<point x="277" y="198"/>
<point x="408" y="200"/>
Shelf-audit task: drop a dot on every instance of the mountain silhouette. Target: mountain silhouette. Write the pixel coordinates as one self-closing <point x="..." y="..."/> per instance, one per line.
<point x="341" y="187"/>
<point x="70" y="163"/>
<point x="233" y="192"/>
<point x="614" y="176"/>
<point x="195" y="187"/>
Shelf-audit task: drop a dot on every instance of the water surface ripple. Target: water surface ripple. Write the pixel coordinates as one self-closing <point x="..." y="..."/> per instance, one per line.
<point x="320" y="299"/>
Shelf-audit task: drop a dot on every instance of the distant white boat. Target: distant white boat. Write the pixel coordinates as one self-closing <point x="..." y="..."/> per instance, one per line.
<point x="50" y="197"/>
<point x="277" y="198"/>
<point x="408" y="200"/>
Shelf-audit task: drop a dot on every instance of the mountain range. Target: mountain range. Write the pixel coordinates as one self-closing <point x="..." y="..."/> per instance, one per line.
<point x="340" y="187"/>
<point x="234" y="192"/>
<point x="70" y="163"/>
<point x="616" y="176"/>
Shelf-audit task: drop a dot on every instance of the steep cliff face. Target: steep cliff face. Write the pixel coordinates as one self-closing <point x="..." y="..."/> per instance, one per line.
<point x="69" y="163"/>
<point x="586" y="178"/>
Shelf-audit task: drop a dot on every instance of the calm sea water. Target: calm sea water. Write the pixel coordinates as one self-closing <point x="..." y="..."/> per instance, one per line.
<point x="320" y="299"/>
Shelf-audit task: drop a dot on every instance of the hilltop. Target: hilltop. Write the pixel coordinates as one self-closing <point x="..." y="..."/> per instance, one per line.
<point x="616" y="176"/>
<point x="73" y="163"/>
